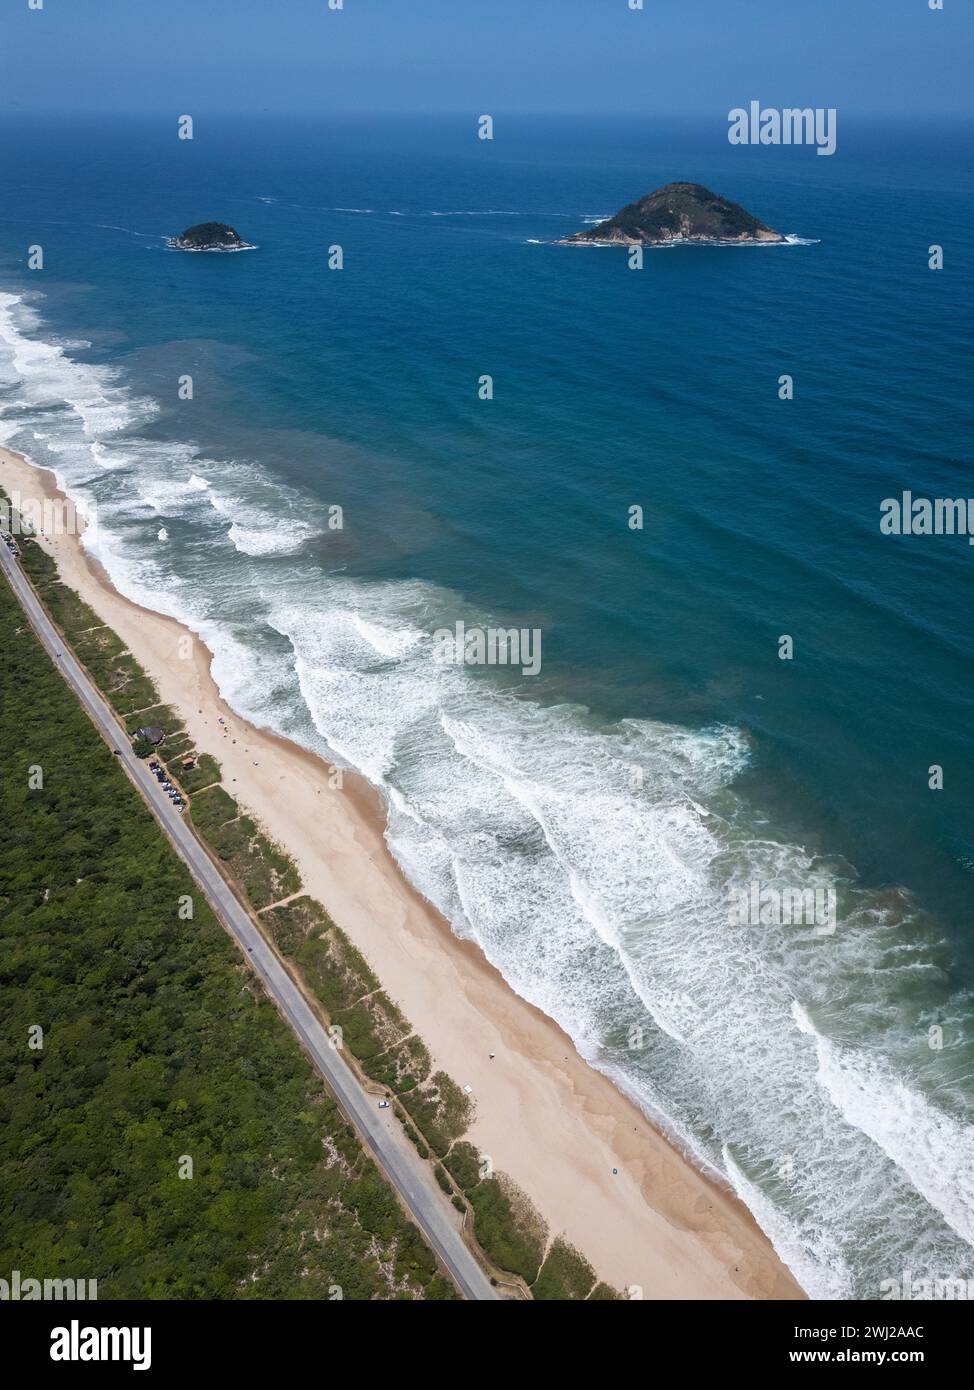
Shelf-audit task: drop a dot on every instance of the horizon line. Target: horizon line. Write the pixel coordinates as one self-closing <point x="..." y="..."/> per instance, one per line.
<point x="461" y="112"/>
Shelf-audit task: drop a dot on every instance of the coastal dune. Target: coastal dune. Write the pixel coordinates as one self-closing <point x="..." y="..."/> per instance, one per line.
<point x="588" y="1158"/>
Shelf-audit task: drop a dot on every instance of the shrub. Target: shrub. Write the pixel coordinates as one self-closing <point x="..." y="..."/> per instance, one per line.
<point x="509" y="1228"/>
<point x="463" y="1162"/>
<point x="565" y="1274"/>
<point x="440" y="1110"/>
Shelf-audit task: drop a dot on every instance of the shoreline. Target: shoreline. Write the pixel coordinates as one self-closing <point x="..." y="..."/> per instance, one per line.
<point x="544" y="1115"/>
<point x="628" y="243"/>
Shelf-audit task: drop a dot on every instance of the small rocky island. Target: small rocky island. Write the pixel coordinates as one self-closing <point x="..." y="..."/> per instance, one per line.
<point x="210" y="236"/>
<point x="677" y="212"/>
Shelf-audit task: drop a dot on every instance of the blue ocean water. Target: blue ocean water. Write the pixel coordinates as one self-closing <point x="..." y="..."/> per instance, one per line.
<point x="586" y="826"/>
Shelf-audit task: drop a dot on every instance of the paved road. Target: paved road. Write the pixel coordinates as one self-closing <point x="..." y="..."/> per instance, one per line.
<point x="396" y="1156"/>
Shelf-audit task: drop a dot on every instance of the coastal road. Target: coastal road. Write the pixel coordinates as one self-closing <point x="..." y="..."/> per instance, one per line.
<point x="380" y="1130"/>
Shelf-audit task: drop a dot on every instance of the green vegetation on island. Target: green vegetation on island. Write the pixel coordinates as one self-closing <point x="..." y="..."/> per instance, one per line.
<point x="209" y="236"/>
<point x="677" y="212"/>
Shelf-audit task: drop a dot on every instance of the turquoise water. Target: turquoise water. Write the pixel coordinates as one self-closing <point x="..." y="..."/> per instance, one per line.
<point x="585" y="826"/>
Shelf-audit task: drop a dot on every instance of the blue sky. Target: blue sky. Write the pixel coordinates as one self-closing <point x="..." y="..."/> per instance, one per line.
<point x="884" y="56"/>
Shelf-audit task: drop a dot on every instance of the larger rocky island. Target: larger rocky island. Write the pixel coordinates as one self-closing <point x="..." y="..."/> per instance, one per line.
<point x="678" y="212"/>
<point x="210" y="236"/>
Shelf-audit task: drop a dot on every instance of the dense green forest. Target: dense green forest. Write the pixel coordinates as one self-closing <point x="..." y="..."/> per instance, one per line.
<point x="134" y="1039"/>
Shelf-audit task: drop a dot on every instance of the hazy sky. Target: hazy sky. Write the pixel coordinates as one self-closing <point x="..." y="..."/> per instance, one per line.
<point x="496" y="55"/>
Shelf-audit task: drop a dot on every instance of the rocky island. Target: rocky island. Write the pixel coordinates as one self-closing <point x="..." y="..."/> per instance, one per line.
<point x="210" y="236"/>
<point x="678" y="212"/>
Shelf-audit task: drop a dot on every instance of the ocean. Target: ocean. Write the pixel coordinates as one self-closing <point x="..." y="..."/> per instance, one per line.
<point x="591" y="826"/>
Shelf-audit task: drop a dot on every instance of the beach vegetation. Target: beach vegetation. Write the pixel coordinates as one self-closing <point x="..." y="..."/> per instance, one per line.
<point x="130" y="692"/>
<point x="71" y="613"/>
<point x="402" y="1068"/>
<point x="264" y="871"/>
<point x="465" y="1165"/>
<point x="157" y="716"/>
<point x="416" y="1139"/>
<point x="177" y="746"/>
<point x="565" y="1274"/>
<point x="96" y="645"/>
<point x="212" y="809"/>
<point x="40" y="566"/>
<point x="371" y="1025"/>
<point x="440" y="1110"/>
<point x="331" y="967"/>
<point x="205" y="773"/>
<point x="290" y="923"/>
<point x="508" y="1227"/>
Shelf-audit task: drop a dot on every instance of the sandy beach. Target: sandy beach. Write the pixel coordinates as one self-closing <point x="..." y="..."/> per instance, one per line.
<point x="542" y="1114"/>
